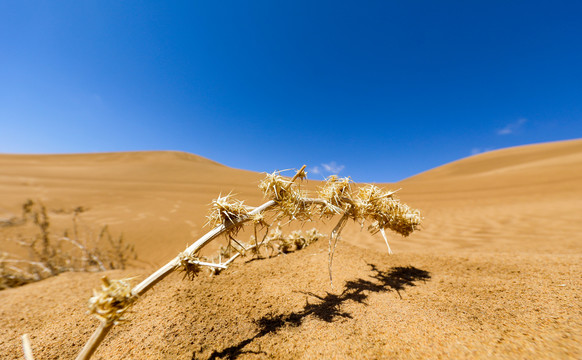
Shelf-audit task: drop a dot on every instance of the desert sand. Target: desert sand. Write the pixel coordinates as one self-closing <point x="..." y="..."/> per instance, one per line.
<point x="494" y="272"/>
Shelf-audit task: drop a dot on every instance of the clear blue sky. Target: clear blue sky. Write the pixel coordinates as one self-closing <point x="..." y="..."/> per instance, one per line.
<point x="380" y="90"/>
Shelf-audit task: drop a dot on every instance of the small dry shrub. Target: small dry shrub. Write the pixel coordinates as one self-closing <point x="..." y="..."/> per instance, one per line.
<point x="50" y="253"/>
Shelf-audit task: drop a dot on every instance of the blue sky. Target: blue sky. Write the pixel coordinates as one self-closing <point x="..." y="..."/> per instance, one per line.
<point x="376" y="90"/>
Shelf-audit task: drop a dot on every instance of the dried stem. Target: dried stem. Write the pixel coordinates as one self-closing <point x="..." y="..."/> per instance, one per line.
<point x="299" y="174"/>
<point x="335" y="237"/>
<point x="26" y="347"/>
<point x="386" y="240"/>
<point x="84" y="250"/>
<point x="95" y="340"/>
<point x="164" y="271"/>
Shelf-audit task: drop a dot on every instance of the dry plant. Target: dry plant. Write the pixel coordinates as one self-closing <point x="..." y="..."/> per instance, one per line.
<point x="287" y="201"/>
<point x="50" y="254"/>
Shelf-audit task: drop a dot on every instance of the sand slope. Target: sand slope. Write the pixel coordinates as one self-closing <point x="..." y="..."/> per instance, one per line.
<point x="495" y="272"/>
<point x="158" y="200"/>
<point x="524" y="199"/>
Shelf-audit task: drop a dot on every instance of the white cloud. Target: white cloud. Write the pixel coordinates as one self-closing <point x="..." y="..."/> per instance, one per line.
<point x="475" y="151"/>
<point x="512" y="127"/>
<point x="333" y="168"/>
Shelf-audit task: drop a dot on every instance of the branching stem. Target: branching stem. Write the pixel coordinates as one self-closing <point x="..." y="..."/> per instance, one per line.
<point x="164" y="271"/>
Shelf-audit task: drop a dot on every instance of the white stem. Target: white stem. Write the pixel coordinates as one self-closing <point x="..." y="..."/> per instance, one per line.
<point x="386" y="240"/>
<point x="26" y="347"/>
<point x="201" y="263"/>
<point x="231" y="259"/>
<point x="95" y="340"/>
<point x="84" y="250"/>
<point x="35" y="263"/>
<point x="335" y="235"/>
<point x="165" y="270"/>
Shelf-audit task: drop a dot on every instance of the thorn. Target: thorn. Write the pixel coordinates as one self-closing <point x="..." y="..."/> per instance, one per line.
<point x="106" y="281"/>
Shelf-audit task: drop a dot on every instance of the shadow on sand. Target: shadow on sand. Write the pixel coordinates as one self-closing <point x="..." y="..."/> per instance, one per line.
<point x="328" y="307"/>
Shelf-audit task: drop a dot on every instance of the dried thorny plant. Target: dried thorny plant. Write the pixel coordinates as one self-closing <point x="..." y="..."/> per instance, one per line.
<point x="287" y="201"/>
<point x="228" y="211"/>
<point x="50" y="253"/>
<point x="112" y="300"/>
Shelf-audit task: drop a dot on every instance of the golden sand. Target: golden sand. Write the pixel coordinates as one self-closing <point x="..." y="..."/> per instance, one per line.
<point x="494" y="272"/>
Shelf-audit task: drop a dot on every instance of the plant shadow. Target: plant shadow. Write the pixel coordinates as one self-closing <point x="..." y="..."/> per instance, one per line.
<point x="328" y="308"/>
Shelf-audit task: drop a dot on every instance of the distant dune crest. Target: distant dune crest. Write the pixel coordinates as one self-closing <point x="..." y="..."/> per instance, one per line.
<point x="557" y="156"/>
<point x="111" y="157"/>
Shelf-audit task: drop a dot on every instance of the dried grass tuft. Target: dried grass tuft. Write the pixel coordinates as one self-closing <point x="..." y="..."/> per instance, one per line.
<point x="53" y="252"/>
<point x="110" y="303"/>
<point x="192" y="265"/>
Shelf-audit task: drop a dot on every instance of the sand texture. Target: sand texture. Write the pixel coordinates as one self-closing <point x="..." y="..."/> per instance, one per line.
<point x="495" y="272"/>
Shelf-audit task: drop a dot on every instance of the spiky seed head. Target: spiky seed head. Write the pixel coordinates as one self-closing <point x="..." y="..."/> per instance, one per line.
<point x="259" y="220"/>
<point x="391" y="214"/>
<point x="302" y="240"/>
<point x="111" y="302"/>
<point x="226" y="211"/>
<point x="287" y="195"/>
<point x="187" y="263"/>
<point x="334" y="192"/>
<point x="294" y="207"/>
<point x="301" y="173"/>
<point x="275" y="186"/>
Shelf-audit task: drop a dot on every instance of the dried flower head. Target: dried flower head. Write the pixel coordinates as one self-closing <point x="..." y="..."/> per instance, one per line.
<point x="114" y="298"/>
<point x="189" y="264"/>
<point x="397" y="217"/>
<point x="276" y="233"/>
<point x="285" y="245"/>
<point x="258" y="219"/>
<point x="289" y="198"/>
<point x="275" y="186"/>
<point x="301" y="241"/>
<point x="227" y="211"/>
<point x="385" y="211"/>
<point x="335" y="191"/>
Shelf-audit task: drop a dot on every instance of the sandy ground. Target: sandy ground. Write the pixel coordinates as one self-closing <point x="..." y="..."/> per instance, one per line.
<point x="495" y="271"/>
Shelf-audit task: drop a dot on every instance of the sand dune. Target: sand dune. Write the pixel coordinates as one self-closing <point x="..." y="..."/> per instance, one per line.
<point x="157" y="199"/>
<point x="494" y="273"/>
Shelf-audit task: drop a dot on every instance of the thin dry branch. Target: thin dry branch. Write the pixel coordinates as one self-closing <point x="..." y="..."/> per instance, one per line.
<point x="335" y="237"/>
<point x="26" y="347"/>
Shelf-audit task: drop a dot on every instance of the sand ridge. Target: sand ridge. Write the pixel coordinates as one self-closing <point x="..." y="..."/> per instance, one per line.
<point x="495" y="271"/>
